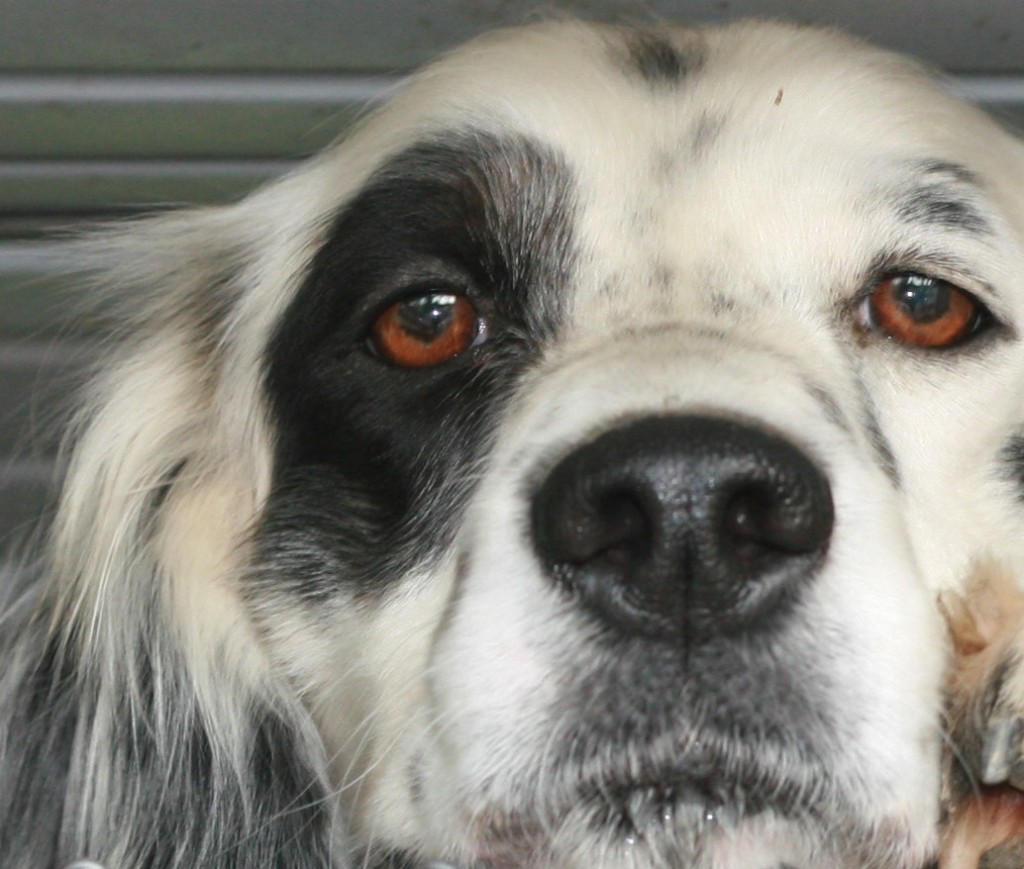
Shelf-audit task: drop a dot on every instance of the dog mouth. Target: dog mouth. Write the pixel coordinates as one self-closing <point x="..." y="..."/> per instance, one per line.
<point x="668" y="812"/>
<point x="677" y="819"/>
<point x="699" y="782"/>
<point x="636" y="810"/>
<point x="669" y="790"/>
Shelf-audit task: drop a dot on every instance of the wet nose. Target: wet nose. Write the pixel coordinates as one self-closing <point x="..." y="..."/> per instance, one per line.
<point x="679" y="525"/>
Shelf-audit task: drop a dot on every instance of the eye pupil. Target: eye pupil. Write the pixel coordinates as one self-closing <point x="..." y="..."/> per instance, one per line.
<point x="427" y="317"/>
<point x="426" y="329"/>
<point x="923" y="299"/>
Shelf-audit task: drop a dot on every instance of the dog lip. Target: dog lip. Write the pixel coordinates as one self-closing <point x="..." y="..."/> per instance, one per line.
<point x="703" y="791"/>
<point x="629" y="811"/>
<point x="638" y="806"/>
<point x="632" y="808"/>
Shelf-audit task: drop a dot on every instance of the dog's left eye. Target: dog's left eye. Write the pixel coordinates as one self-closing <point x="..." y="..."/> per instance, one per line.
<point x="427" y="329"/>
<point x="923" y="311"/>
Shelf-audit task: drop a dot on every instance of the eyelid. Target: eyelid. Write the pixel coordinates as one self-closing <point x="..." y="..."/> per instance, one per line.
<point x="396" y="293"/>
<point x="937" y="265"/>
<point x="420" y="274"/>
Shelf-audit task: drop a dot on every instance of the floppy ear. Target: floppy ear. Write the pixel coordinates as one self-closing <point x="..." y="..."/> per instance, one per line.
<point x="140" y="681"/>
<point x="169" y="458"/>
<point x="145" y="438"/>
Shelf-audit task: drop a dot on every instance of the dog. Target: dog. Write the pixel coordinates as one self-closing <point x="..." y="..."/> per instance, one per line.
<point x="560" y="471"/>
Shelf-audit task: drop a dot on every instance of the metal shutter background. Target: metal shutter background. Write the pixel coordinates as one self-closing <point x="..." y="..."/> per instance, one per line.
<point x="108" y="107"/>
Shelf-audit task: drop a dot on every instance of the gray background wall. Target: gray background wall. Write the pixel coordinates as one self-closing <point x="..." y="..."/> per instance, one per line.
<point x="110" y="107"/>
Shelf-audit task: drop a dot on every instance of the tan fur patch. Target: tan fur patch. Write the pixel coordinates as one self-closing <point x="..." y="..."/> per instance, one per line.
<point x="984" y="824"/>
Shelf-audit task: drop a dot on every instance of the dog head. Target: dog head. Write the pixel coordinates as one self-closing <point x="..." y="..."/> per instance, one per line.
<point x="584" y="440"/>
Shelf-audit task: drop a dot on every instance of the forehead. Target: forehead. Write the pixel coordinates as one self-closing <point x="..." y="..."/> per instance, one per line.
<point x="616" y="99"/>
<point x="693" y="150"/>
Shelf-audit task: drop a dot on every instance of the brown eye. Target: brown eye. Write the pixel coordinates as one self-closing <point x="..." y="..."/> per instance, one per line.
<point x="426" y="330"/>
<point x="923" y="311"/>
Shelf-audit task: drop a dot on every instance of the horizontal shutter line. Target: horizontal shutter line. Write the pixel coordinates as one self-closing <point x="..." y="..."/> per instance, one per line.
<point x="80" y="187"/>
<point x="67" y="89"/>
<point x="67" y="117"/>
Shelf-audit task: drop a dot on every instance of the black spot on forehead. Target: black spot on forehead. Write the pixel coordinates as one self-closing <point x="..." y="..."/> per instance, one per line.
<point x="374" y="462"/>
<point x="657" y="60"/>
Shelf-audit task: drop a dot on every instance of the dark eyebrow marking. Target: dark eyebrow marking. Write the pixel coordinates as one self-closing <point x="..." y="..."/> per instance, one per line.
<point x="955" y="171"/>
<point x="943" y="194"/>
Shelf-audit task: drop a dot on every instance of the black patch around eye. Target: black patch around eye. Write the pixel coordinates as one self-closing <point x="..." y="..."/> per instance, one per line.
<point x="374" y="462"/>
<point x="657" y="61"/>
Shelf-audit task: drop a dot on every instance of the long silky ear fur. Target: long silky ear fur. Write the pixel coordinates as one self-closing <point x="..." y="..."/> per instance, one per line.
<point x="140" y="723"/>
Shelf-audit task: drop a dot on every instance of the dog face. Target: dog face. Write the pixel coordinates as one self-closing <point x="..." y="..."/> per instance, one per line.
<point x="623" y="399"/>
<point x="636" y="565"/>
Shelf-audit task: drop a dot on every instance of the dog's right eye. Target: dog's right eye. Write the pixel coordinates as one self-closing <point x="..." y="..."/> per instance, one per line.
<point x="427" y="329"/>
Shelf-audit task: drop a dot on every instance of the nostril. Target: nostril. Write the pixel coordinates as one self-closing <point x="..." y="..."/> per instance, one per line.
<point x="625" y="535"/>
<point x="778" y="517"/>
<point x="747" y="522"/>
<point x="593" y="529"/>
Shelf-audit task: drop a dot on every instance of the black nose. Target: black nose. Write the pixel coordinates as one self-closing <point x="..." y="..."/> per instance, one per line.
<point x="672" y="526"/>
